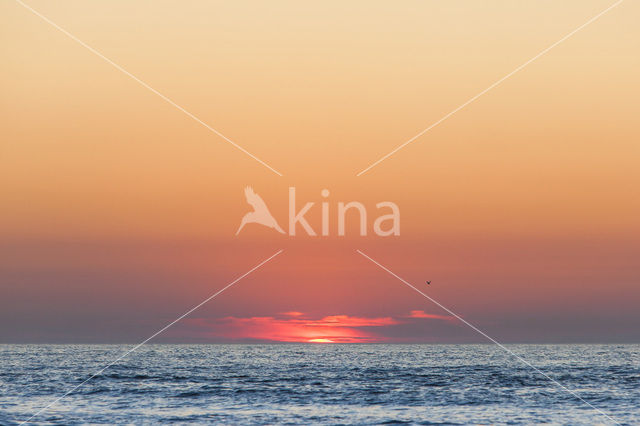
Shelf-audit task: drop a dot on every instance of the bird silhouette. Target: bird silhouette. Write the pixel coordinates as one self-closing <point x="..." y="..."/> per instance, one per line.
<point x="260" y="213"/>
<point x="428" y="282"/>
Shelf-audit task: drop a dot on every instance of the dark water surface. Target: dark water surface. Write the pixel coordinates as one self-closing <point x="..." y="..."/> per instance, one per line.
<point x="326" y="384"/>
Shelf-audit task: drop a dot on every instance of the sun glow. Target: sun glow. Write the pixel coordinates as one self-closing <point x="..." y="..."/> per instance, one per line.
<point x="295" y="326"/>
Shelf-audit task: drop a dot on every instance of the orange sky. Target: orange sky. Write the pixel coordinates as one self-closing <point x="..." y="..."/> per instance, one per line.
<point x="118" y="211"/>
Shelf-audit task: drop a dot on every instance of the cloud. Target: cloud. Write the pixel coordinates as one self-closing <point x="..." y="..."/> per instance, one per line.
<point x="348" y="321"/>
<point x="297" y="327"/>
<point x="423" y="314"/>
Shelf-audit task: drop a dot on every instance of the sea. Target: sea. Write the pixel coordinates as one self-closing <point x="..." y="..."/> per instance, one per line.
<point x="346" y="384"/>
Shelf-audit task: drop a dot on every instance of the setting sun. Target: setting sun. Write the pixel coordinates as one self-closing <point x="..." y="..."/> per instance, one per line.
<point x="321" y="341"/>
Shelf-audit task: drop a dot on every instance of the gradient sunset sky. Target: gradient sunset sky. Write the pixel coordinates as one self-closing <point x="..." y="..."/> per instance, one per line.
<point x="119" y="212"/>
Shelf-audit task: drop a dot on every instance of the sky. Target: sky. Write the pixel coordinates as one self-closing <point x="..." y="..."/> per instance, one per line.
<point x="118" y="212"/>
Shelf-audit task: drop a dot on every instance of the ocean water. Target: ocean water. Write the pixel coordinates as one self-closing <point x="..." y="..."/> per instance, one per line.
<point x="320" y="384"/>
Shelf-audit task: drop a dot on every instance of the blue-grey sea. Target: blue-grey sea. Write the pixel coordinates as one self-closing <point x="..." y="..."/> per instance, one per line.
<point x="320" y="384"/>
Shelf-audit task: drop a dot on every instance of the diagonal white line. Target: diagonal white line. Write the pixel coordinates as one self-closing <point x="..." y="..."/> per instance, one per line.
<point x="124" y="71"/>
<point x="493" y="340"/>
<point x="496" y="83"/>
<point x="154" y="335"/>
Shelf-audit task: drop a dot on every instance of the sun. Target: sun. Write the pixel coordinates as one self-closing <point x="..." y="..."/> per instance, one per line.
<point x="320" y="341"/>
